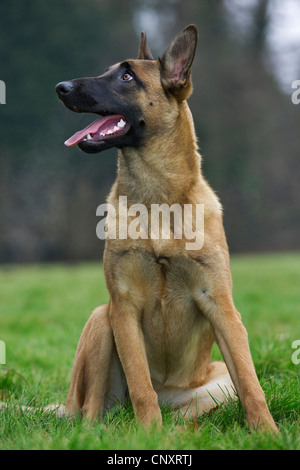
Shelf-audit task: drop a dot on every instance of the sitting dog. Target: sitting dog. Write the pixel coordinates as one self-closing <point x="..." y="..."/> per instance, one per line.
<point x="169" y="299"/>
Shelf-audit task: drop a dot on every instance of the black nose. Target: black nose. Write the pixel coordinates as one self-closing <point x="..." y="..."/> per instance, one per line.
<point x="64" y="88"/>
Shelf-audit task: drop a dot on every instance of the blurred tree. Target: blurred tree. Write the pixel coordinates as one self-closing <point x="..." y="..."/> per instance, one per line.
<point x="260" y="26"/>
<point x="41" y="206"/>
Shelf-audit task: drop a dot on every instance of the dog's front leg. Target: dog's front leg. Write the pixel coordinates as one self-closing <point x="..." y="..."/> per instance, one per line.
<point x="232" y="339"/>
<point x="129" y="338"/>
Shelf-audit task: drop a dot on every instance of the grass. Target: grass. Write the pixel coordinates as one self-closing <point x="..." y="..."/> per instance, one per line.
<point x="42" y="312"/>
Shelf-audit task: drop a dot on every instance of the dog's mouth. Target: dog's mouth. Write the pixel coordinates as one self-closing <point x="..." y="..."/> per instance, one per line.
<point x="103" y="129"/>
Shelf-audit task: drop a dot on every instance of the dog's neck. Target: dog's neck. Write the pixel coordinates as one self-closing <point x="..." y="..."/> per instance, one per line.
<point x="163" y="169"/>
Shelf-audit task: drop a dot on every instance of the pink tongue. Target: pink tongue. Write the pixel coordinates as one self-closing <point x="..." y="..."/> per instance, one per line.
<point x="100" y="125"/>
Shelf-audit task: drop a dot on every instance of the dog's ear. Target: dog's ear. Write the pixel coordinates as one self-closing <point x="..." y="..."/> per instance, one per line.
<point x="144" y="52"/>
<point x="177" y="61"/>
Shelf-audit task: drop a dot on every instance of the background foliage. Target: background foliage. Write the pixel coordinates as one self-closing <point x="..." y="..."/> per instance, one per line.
<point x="248" y="128"/>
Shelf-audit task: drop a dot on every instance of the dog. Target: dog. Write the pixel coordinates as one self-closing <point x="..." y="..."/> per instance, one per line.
<point x="168" y="304"/>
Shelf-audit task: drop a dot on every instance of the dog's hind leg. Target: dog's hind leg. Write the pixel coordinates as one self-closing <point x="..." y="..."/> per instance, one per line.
<point x="194" y="402"/>
<point x="97" y="380"/>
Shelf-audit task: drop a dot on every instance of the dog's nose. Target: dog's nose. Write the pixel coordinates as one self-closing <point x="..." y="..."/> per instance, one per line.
<point x="64" y="88"/>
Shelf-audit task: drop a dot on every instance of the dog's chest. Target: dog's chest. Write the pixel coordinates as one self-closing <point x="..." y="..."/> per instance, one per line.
<point x="145" y="277"/>
<point x="161" y="290"/>
<point x="177" y="335"/>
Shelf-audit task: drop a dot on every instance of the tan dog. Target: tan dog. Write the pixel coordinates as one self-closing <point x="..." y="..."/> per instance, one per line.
<point x="168" y="304"/>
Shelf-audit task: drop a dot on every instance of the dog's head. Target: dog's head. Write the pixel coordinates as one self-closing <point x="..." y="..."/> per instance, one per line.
<point x="130" y="96"/>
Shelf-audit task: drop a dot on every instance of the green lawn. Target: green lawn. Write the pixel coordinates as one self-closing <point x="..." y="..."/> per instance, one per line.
<point x="42" y="312"/>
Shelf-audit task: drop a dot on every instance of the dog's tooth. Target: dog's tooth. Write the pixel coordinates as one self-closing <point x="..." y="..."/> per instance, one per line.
<point x="102" y="133"/>
<point x="116" y="128"/>
<point x="88" y="137"/>
<point x="121" y="123"/>
<point x="109" y="132"/>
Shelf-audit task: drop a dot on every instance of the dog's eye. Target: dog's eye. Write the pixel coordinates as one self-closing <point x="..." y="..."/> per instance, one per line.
<point x="127" y="77"/>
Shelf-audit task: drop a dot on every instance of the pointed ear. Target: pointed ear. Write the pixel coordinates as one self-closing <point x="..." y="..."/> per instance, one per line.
<point x="144" y="52"/>
<point x="177" y="61"/>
